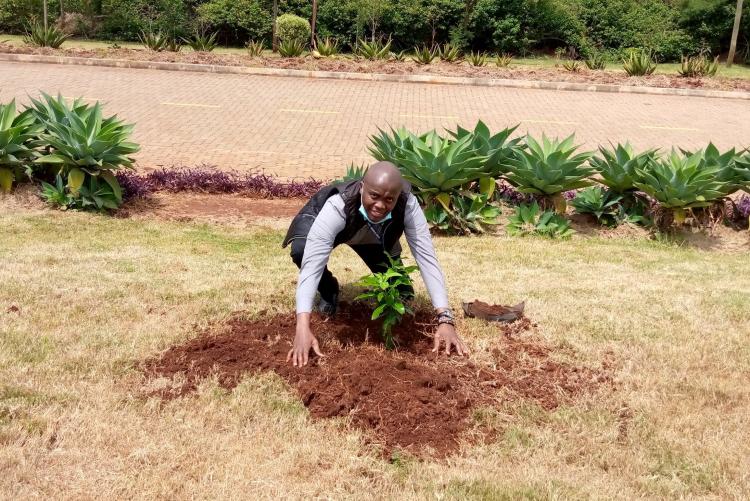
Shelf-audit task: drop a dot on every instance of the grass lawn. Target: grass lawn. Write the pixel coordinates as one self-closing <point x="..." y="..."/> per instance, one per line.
<point x="86" y="298"/>
<point x="736" y="71"/>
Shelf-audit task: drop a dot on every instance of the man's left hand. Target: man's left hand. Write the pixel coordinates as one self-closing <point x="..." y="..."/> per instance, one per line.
<point x="447" y="333"/>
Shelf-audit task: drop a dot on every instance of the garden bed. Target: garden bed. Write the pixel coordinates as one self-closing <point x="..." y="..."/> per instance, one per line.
<point x="408" y="67"/>
<point x="408" y="399"/>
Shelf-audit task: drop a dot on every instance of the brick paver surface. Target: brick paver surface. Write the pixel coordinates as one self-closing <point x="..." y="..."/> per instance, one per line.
<point x="298" y="127"/>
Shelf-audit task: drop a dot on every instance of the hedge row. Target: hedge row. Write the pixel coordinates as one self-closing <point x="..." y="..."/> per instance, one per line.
<point x="667" y="27"/>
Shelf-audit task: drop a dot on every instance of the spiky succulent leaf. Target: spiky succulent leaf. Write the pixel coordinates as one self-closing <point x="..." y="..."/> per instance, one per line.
<point x="530" y="220"/>
<point x="498" y="148"/>
<point x="548" y="167"/>
<point x="681" y="181"/>
<point x="617" y="166"/>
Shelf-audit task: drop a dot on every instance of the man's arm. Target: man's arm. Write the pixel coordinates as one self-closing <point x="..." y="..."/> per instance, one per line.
<point x="329" y="222"/>
<point x="419" y="239"/>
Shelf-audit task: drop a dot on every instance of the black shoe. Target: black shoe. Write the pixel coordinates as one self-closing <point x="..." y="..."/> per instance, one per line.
<point x="328" y="308"/>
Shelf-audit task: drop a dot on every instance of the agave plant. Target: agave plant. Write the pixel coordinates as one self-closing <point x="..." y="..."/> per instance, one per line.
<point x="728" y="173"/>
<point x="173" y="44"/>
<point x="153" y="40"/>
<point x="503" y="60"/>
<point x="617" y="166"/>
<point x="531" y="220"/>
<point x="549" y="168"/>
<point x="498" y="148"/>
<point x="742" y="169"/>
<point x="291" y="48"/>
<point x="449" y="53"/>
<point x="434" y="165"/>
<point x="40" y="36"/>
<point x="328" y="47"/>
<point x="639" y="63"/>
<point x="605" y="205"/>
<point x="254" y="49"/>
<point x="572" y="66"/>
<point x="86" y="145"/>
<point x="680" y="182"/>
<point x="596" y="61"/>
<point x="468" y="212"/>
<point x="399" y="56"/>
<point x="478" y="58"/>
<point x="18" y="140"/>
<point x="202" y="42"/>
<point x="56" y="110"/>
<point x="424" y="55"/>
<point x="373" y="50"/>
<point x="698" y="66"/>
<point x="353" y="172"/>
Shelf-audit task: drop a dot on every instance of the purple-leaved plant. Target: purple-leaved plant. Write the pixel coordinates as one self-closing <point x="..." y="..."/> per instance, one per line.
<point x="743" y="205"/>
<point x="207" y="179"/>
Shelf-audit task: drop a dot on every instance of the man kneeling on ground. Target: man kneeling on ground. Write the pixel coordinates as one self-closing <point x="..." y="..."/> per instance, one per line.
<point x="370" y="216"/>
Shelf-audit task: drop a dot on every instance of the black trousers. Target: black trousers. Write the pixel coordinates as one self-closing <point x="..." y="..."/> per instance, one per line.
<point x="372" y="255"/>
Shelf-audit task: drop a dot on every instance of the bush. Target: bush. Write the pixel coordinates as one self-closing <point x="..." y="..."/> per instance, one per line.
<point x="126" y="19"/>
<point x="291" y="28"/>
<point x="710" y="23"/>
<point x="236" y="20"/>
<point x="15" y="15"/>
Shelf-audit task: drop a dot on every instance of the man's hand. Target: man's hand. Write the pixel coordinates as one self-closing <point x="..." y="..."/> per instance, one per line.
<point x="303" y="341"/>
<point x="447" y="333"/>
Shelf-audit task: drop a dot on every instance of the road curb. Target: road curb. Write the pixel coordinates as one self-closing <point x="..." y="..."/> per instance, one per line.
<point x="373" y="77"/>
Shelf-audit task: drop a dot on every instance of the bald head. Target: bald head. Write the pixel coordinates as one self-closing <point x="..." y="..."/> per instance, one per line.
<point x="381" y="188"/>
<point x="384" y="175"/>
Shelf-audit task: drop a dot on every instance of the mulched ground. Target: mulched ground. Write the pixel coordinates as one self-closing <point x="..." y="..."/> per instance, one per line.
<point x="408" y="399"/>
<point x="408" y="67"/>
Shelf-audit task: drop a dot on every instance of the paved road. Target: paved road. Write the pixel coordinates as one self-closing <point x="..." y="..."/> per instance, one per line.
<point x="303" y="127"/>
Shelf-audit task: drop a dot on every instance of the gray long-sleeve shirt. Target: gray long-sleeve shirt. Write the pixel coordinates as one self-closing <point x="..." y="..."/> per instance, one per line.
<point x="331" y="221"/>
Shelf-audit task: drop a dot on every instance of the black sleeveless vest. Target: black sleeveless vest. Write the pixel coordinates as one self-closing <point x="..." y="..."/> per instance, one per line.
<point x="351" y="194"/>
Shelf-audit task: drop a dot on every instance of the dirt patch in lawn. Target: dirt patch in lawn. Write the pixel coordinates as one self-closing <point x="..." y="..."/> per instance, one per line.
<point x="408" y="67"/>
<point x="408" y="399"/>
<point x="213" y="208"/>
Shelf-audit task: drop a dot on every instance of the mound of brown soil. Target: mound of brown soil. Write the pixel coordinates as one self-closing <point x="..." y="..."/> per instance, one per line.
<point x="409" y="398"/>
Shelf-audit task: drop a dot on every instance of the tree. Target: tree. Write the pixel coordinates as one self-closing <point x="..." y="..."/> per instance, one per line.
<point x="312" y="24"/>
<point x="735" y="33"/>
<point x="274" y="38"/>
<point x="44" y="7"/>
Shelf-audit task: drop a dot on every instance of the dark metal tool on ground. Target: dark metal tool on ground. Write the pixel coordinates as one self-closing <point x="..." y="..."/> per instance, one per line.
<point x="493" y="312"/>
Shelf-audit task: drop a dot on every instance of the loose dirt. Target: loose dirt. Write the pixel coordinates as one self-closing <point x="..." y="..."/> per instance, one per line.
<point x="214" y="208"/>
<point x="409" y="399"/>
<point x="407" y="67"/>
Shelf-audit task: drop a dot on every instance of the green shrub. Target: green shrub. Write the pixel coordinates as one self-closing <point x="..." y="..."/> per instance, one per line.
<point x="467" y="213"/>
<point x="44" y="37"/>
<point x="698" y="66"/>
<point x="254" y="49"/>
<point x="449" y="53"/>
<point x="202" y="41"/>
<point x="328" y="47"/>
<point x="291" y="48"/>
<point x="681" y="181"/>
<point x="572" y="66"/>
<point x="617" y="167"/>
<point x="292" y="28"/>
<point x="531" y="220"/>
<point x="639" y="63"/>
<point x="385" y="289"/>
<point x="602" y="204"/>
<point x="596" y="61"/>
<point x="236" y="20"/>
<point x="18" y="141"/>
<point x="549" y="168"/>
<point x="424" y="55"/>
<point x="85" y="149"/>
<point x="503" y="60"/>
<point x="153" y="41"/>
<point x="126" y="19"/>
<point x="354" y="172"/>
<point x="477" y="58"/>
<point x="497" y="148"/>
<point x="373" y="50"/>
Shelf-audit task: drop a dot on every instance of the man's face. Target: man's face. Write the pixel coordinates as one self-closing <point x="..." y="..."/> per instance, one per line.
<point x="378" y="201"/>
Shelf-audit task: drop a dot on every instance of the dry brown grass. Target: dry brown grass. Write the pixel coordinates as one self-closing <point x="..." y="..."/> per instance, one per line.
<point x="84" y="298"/>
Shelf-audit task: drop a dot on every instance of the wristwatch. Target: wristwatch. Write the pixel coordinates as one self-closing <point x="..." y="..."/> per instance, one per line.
<point x="446" y="317"/>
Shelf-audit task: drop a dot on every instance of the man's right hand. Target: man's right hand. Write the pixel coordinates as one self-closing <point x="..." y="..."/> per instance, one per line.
<point x="303" y="341"/>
